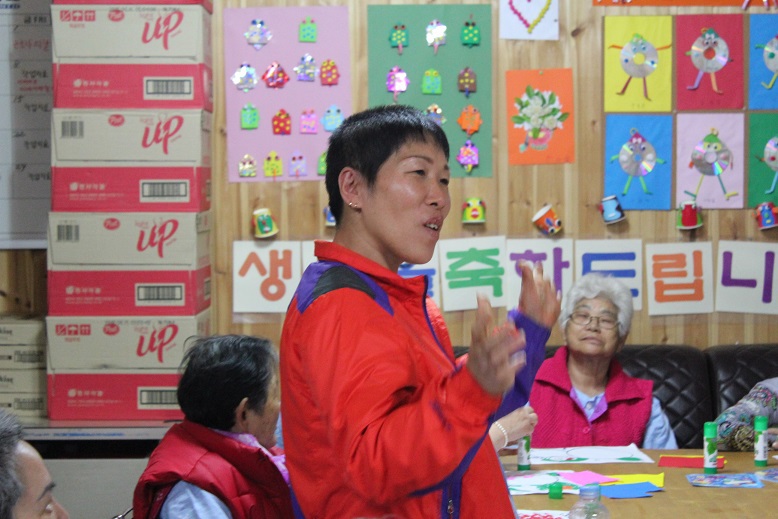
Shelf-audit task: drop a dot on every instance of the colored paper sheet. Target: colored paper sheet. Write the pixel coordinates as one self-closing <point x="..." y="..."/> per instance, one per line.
<point x="585" y="477"/>
<point x="762" y="62"/>
<point x="710" y="160"/>
<point x="628" y="479"/>
<point x="763" y="157"/>
<point x="630" y="490"/>
<point x="589" y="454"/>
<point x="639" y="160"/>
<point x="541" y="121"/>
<point x="679" y="277"/>
<point x="688" y="462"/>
<point x="638" y="63"/>
<point x="745" y="282"/>
<point x="710" y="66"/>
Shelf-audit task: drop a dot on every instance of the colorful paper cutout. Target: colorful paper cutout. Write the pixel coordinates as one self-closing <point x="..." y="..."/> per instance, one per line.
<point x="436" y="35"/>
<point x="249" y="117"/>
<point x="398" y="37"/>
<point x="637" y="158"/>
<point x="273" y="166"/>
<point x="711" y="158"/>
<point x="435" y="113"/>
<point x="332" y="118"/>
<point x="309" y="123"/>
<point x="396" y="81"/>
<point x="467" y="81"/>
<point x="321" y="168"/>
<point x="530" y="25"/>
<point x="306" y="69"/>
<point x="297" y="165"/>
<point x="431" y="83"/>
<point x="282" y="123"/>
<point x="470" y="119"/>
<point x="328" y="73"/>
<point x="275" y="76"/>
<point x="247" y="167"/>
<point x="258" y="35"/>
<point x="308" y="31"/>
<point x="468" y="156"/>
<point x="245" y="78"/>
<point x="471" y="33"/>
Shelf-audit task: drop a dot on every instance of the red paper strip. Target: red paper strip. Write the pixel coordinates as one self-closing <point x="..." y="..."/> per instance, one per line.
<point x="688" y="462"/>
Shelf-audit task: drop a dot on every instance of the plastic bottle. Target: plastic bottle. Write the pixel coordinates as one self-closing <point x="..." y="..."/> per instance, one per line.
<point x="523" y="454"/>
<point x="710" y="452"/>
<point x="760" y="441"/>
<point x="589" y="505"/>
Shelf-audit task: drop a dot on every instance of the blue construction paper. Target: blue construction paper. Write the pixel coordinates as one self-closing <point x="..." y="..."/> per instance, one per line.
<point x="629" y="490"/>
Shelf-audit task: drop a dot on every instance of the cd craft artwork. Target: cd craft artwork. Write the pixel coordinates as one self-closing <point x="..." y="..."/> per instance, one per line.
<point x="639" y="58"/>
<point x="709" y="54"/>
<point x="637" y="158"/>
<point x="770" y="57"/>
<point x="770" y="157"/>
<point x="711" y="158"/>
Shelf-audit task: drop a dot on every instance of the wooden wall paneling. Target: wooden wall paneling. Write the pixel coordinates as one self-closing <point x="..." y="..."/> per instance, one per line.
<point x="23" y="281"/>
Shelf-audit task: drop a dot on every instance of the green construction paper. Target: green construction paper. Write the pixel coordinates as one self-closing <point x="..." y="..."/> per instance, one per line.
<point x="450" y="59"/>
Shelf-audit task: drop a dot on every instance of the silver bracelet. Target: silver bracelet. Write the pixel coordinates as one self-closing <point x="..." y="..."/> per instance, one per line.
<point x="504" y="433"/>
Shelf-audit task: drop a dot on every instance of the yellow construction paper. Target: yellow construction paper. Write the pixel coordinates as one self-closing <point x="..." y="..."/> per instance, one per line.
<point x="625" y="479"/>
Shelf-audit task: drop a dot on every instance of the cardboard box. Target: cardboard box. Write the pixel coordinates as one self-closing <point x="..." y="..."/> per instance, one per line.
<point x="24" y="405"/>
<point x="22" y="380"/>
<point x="128" y="292"/>
<point x="167" y="240"/>
<point x="145" y="342"/>
<point x="127" y="33"/>
<point x="130" y="137"/>
<point x="207" y="4"/>
<point x="23" y="356"/>
<point x="18" y="329"/>
<point x="113" y="395"/>
<point x="97" y="189"/>
<point x="146" y="86"/>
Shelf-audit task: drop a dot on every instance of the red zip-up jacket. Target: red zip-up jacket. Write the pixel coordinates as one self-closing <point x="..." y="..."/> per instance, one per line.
<point x="377" y="415"/>
<point x="243" y="477"/>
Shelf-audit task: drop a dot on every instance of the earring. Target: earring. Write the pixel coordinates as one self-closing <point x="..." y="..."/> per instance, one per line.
<point x="353" y="206"/>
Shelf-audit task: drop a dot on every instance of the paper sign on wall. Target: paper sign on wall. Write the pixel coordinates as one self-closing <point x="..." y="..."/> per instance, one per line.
<point x="747" y="280"/>
<point x="679" y="278"/>
<point x="622" y="259"/>
<point x="556" y="256"/>
<point x="264" y="275"/>
<point x="470" y="266"/>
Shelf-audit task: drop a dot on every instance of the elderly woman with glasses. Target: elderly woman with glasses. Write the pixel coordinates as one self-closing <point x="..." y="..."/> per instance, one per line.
<point x="581" y="395"/>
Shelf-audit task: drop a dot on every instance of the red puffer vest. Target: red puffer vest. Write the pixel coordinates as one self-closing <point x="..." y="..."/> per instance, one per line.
<point x="562" y="423"/>
<point x="243" y="477"/>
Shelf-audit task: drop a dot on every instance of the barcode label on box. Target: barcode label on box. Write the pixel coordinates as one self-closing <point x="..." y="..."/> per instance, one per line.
<point x="164" y="191"/>
<point x="68" y="233"/>
<point x="72" y="129"/>
<point x="157" y="398"/>
<point x="160" y="295"/>
<point x="29" y="357"/>
<point x="29" y="404"/>
<point x="168" y="88"/>
<point x="207" y="288"/>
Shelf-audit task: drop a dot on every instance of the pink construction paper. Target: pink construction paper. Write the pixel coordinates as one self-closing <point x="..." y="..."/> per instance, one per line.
<point x="584" y="477"/>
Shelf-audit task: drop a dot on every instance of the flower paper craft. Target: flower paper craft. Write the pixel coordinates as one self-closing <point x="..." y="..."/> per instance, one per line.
<point x="540" y="113"/>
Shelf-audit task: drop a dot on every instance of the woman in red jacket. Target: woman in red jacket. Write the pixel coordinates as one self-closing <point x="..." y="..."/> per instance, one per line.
<point x="220" y="462"/>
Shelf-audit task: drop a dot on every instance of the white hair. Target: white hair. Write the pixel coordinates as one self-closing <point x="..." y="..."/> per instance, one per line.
<point x="594" y="284"/>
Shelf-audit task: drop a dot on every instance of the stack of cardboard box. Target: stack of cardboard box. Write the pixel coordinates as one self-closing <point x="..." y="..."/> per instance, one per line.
<point x="130" y="227"/>
<point x="23" y="365"/>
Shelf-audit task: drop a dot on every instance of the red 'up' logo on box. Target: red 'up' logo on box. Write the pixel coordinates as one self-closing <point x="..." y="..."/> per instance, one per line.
<point x="157" y="342"/>
<point x="163" y="28"/>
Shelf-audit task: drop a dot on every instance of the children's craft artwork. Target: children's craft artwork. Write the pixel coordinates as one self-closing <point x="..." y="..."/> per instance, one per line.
<point x="710" y="160"/>
<point x="436" y="34"/>
<point x="396" y="81"/>
<point x="638" y="48"/>
<point x="303" y="67"/>
<point x="636" y="3"/>
<point x="247" y="167"/>
<point x="762" y="62"/>
<point x="638" y="160"/>
<point x="442" y="85"/>
<point x="762" y="158"/>
<point x="770" y="475"/>
<point x="471" y="33"/>
<point x="249" y="117"/>
<point x="332" y="118"/>
<point x="744" y="480"/>
<point x="709" y="52"/>
<point x="470" y="120"/>
<point x="542" y="514"/>
<point x="593" y="454"/>
<point x="529" y="19"/>
<point x="398" y="37"/>
<point x="468" y="156"/>
<point x="258" y="34"/>
<point x="540" y="116"/>
<point x="538" y="482"/>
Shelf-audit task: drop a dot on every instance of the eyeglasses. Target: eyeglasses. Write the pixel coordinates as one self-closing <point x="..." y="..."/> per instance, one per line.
<point x="606" y="322"/>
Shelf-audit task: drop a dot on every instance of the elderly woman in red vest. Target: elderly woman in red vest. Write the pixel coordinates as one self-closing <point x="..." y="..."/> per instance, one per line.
<point x="581" y="395"/>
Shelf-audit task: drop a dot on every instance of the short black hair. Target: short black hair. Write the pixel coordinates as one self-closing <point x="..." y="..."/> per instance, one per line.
<point x="220" y="371"/>
<point x="11" y="433"/>
<point x="365" y="140"/>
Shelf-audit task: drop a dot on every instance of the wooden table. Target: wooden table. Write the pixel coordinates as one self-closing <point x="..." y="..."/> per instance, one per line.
<point x="678" y="497"/>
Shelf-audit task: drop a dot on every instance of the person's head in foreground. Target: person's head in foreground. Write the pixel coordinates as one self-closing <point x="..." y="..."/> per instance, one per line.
<point x="596" y="317"/>
<point x="25" y="483"/>
<point x="387" y="179"/>
<point x="230" y="383"/>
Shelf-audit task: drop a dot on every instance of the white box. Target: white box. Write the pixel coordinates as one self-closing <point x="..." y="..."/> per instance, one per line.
<point x="207" y="4"/>
<point x="24" y="405"/>
<point x="130" y="137"/>
<point x="129" y="33"/>
<point x="113" y="395"/>
<point x="118" y="292"/>
<point x="18" y="329"/>
<point x="22" y="380"/>
<point x="167" y="240"/>
<point x="144" y="342"/>
<point x="23" y="356"/>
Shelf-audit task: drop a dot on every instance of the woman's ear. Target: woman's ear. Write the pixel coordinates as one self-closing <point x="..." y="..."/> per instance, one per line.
<point x="241" y="416"/>
<point x="349" y="182"/>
